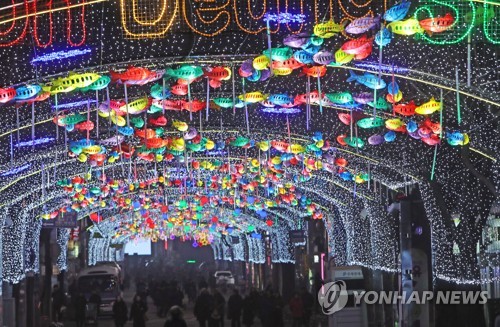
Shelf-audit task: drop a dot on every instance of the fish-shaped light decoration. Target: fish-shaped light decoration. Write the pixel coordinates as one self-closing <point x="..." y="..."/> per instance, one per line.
<point x="100" y="84"/>
<point x="219" y="73"/>
<point x="261" y="62"/>
<point x="393" y="87"/>
<point x="42" y="96"/>
<point x="370" y="122"/>
<point x="376" y="139"/>
<point x="363" y="24"/>
<point x="380" y="105"/>
<point x="394" y="124"/>
<point x="327" y="29"/>
<point x="394" y="98"/>
<point x="280" y="99"/>
<point x="363" y="97"/>
<point x="342" y="58"/>
<point x="383" y="37"/>
<point x="158" y="93"/>
<point x="390" y="136"/>
<point x="405" y="109"/>
<point x="296" y="40"/>
<point x="406" y="27"/>
<point x="437" y="24"/>
<point x="457" y="138"/>
<point x="303" y="57"/>
<point x="27" y="91"/>
<point x="252" y="97"/>
<point x="367" y="79"/>
<point x="314" y="71"/>
<point x="429" y="107"/>
<point x="340" y="97"/>
<point x="185" y="72"/>
<point x="291" y="63"/>
<point x="324" y="58"/>
<point x="354" y="142"/>
<point x="279" y="54"/>
<point x="223" y="102"/>
<point x="397" y="12"/>
<point x="76" y="80"/>
<point x="357" y="46"/>
<point x="7" y="94"/>
<point x="137" y="106"/>
<point x="133" y="75"/>
<point x="179" y="89"/>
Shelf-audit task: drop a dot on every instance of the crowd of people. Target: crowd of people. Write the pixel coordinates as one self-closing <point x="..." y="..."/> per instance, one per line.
<point x="211" y="305"/>
<point x="267" y="306"/>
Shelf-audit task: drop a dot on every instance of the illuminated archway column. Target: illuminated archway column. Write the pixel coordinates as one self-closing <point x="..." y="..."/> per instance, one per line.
<point x="441" y="234"/>
<point x="14" y="234"/>
<point x="3" y="215"/>
<point x="382" y="236"/>
<point x="337" y="240"/>
<point x="357" y="232"/>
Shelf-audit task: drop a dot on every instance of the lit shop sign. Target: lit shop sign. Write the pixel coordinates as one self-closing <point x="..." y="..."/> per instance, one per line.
<point x="211" y="17"/>
<point x="21" y="18"/>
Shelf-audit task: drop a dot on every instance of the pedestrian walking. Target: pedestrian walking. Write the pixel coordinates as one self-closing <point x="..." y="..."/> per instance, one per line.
<point x="234" y="307"/>
<point x="120" y="312"/>
<point x="138" y="312"/>
<point x="175" y="318"/>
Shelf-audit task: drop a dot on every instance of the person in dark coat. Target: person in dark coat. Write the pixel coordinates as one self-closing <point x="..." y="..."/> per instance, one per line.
<point x="203" y="307"/>
<point x="95" y="299"/>
<point x="217" y="316"/>
<point x="138" y="312"/>
<point x="248" y="310"/>
<point x="297" y="309"/>
<point x="234" y="306"/>
<point x="308" y="302"/>
<point x="175" y="318"/>
<point x="120" y="312"/>
<point x="57" y="302"/>
<point x="80" y="303"/>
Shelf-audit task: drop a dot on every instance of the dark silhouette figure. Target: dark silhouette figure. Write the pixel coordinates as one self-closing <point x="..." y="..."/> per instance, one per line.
<point x="57" y="303"/>
<point x="248" y="310"/>
<point x="138" y="312"/>
<point x="175" y="318"/>
<point x="80" y="303"/>
<point x="203" y="307"/>
<point x="218" y="310"/>
<point x="95" y="299"/>
<point x="308" y="303"/>
<point x="234" y="306"/>
<point x="120" y="312"/>
<point x="297" y="310"/>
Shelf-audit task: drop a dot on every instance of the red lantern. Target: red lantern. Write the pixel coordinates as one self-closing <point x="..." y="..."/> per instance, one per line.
<point x="95" y="217"/>
<point x="269" y="222"/>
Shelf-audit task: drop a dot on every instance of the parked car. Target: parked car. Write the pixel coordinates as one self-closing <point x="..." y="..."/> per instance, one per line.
<point x="224" y="277"/>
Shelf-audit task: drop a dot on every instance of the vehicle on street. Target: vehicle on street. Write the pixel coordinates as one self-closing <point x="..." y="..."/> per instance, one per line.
<point x="224" y="277"/>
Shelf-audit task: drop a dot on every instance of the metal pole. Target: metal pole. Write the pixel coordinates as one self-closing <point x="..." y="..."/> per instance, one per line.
<point x="57" y="118"/>
<point x="459" y="115"/>
<point x="208" y="99"/>
<point x="33" y="124"/>
<point x="17" y="124"/>
<point x="269" y="45"/>
<point x="468" y="59"/>
<point x="163" y="98"/>
<point x="126" y="104"/>
<point x="97" y="112"/>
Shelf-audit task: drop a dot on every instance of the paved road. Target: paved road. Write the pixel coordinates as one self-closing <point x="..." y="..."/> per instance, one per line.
<point x="154" y="320"/>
